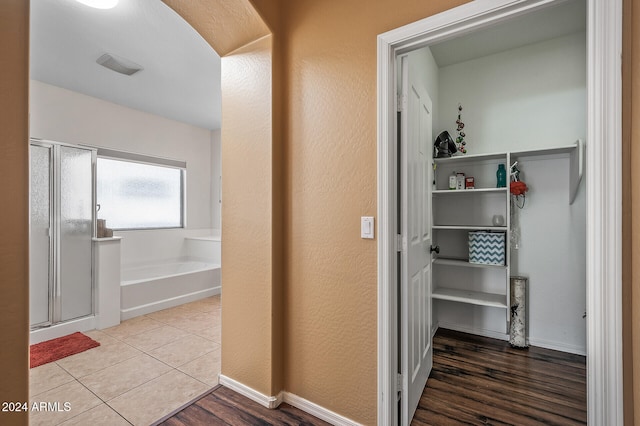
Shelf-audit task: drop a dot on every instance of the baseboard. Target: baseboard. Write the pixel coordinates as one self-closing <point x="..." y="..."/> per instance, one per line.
<point x="272" y="402"/>
<point x="540" y="343"/>
<point x="244" y="390"/>
<point x="62" y="329"/>
<point x="557" y="346"/>
<point x="148" y="308"/>
<point x="316" y="410"/>
<point x="477" y="331"/>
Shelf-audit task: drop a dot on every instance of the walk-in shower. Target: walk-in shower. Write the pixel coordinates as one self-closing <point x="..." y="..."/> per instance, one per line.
<point x="62" y="217"/>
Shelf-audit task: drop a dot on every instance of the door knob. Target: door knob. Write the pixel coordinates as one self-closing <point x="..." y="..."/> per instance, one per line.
<point x="436" y="249"/>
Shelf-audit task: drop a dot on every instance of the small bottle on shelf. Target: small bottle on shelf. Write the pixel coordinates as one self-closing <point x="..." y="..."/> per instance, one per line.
<point x="453" y="180"/>
<point x="501" y="176"/>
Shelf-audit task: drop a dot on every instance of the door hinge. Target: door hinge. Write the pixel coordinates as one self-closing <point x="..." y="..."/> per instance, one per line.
<point x="402" y="102"/>
<point x="398" y="243"/>
<point x="399" y="383"/>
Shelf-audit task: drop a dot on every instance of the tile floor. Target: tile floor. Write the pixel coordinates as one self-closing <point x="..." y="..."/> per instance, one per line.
<point x="144" y="369"/>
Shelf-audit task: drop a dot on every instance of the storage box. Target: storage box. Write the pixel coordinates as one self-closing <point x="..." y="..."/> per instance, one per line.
<point x="487" y="248"/>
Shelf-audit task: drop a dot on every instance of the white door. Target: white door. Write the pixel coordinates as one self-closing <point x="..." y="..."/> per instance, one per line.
<point x="415" y="218"/>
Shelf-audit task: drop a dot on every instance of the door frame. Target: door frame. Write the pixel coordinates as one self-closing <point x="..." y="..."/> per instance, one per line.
<point x="603" y="186"/>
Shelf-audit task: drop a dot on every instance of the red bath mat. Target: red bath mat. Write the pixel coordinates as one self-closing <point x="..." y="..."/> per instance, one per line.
<point x="55" y="349"/>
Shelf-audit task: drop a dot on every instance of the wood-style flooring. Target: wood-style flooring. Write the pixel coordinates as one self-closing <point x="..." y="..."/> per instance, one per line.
<point x="476" y="380"/>
<point x="225" y="407"/>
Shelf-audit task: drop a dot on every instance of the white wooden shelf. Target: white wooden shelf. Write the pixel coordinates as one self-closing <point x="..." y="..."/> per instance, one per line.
<point x="468" y="191"/>
<point x="576" y="162"/>
<point x="464" y="263"/>
<point x="470" y="297"/>
<point x="471" y="157"/>
<point x="470" y="228"/>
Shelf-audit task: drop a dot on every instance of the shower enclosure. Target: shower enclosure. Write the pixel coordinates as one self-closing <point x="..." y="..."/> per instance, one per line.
<point x="62" y="221"/>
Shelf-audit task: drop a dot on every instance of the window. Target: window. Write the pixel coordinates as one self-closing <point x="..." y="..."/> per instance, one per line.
<point x="140" y="195"/>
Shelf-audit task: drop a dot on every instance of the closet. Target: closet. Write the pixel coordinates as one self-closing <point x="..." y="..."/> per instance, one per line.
<point x="522" y="88"/>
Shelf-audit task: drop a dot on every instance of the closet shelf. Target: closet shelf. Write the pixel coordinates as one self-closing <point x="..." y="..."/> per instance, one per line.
<point x="576" y="162"/>
<point x="464" y="263"/>
<point x="467" y="191"/>
<point x="470" y="297"/>
<point x="470" y="228"/>
<point x="576" y="165"/>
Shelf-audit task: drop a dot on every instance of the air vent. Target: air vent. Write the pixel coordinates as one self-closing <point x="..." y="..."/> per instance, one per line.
<point x="117" y="64"/>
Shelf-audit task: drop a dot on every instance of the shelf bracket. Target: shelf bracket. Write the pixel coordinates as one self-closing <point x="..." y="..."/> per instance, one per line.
<point x="576" y="169"/>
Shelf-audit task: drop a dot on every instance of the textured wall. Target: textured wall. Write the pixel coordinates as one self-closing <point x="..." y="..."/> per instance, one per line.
<point x="14" y="192"/>
<point x="331" y="141"/>
<point x="631" y="207"/>
<point x="330" y="299"/>
<point x="252" y="191"/>
<point x="246" y="216"/>
<point x="225" y="24"/>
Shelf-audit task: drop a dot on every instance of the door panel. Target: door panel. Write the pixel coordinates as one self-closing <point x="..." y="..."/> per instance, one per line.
<point x="415" y="204"/>
<point x="76" y="222"/>
<point x="40" y="187"/>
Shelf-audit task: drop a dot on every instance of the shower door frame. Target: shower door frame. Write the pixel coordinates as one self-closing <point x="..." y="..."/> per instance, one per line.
<point x="51" y="264"/>
<point x="55" y="302"/>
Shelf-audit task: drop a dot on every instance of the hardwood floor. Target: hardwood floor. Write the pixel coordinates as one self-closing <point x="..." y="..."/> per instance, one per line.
<point x="226" y="407"/>
<point x="476" y="380"/>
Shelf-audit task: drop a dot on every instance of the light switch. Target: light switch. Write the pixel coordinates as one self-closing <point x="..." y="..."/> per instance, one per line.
<point x="366" y="227"/>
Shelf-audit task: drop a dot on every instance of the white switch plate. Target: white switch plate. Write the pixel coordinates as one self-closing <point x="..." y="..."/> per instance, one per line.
<point x="366" y="227"/>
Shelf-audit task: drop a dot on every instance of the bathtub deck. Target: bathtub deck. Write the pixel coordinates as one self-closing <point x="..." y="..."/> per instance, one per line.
<point x="141" y="297"/>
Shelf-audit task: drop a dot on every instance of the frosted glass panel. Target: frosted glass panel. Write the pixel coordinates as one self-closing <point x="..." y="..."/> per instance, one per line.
<point x="75" y="232"/>
<point x="39" y="232"/>
<point x="135" y="195"/>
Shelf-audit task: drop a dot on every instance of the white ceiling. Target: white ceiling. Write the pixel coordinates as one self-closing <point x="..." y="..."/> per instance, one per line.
<point x="547" y="23"/>
<point x="181" y="75"/>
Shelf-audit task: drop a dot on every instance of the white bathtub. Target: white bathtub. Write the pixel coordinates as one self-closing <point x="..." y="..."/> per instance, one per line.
<point x="152" y="287"/>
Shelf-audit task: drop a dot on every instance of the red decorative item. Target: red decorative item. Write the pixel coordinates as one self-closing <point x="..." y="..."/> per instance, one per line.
<point x="518" y="188"/>
<point x="469" y="183"/>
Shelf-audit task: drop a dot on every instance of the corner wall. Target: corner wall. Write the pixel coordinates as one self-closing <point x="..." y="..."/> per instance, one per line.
<point x="14" y="192"/>
<point x="631" y="207"/>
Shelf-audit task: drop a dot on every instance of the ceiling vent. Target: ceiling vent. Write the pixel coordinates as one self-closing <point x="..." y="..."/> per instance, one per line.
<point x="117" y="64"/>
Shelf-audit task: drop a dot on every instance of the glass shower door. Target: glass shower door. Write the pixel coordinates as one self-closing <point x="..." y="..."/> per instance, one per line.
<point x="75" y="289"/>
<point x="40" y="236"/>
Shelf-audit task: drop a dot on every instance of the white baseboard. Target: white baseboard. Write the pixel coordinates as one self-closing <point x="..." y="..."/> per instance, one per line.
<point x="62" y="329"/>
<point x="291" y="399"/>
<point x="148" y="308"/>
<point x="316" y="410"/>
<point x="557" y="346"/>
<point x="252" y="394"/>
<point x="477" y="331"/>
<point x="540" y="343"/>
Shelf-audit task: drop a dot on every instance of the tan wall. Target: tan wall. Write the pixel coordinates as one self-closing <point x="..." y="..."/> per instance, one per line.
<point x="332" y="171"/>
<point x="329" y="300"/>
<point x="631" y="205"/>
<point x="247" y="216"/>
<point x="14" y="132"/>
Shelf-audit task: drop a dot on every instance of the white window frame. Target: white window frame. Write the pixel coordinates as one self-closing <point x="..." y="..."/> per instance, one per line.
<point x="130" y="157"/>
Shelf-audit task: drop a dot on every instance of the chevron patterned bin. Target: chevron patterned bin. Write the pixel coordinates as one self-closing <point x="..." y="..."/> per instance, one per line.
<point x="487" y="248"/>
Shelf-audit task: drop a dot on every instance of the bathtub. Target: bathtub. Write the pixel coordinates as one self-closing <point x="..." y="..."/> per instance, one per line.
<point x="152" y="287"/>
